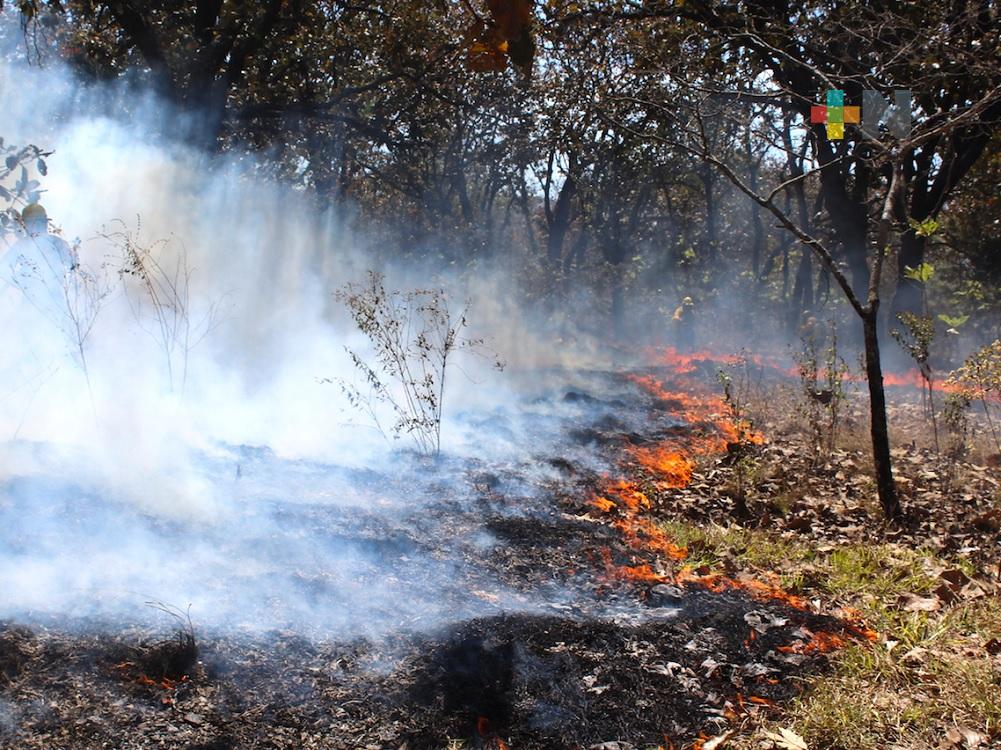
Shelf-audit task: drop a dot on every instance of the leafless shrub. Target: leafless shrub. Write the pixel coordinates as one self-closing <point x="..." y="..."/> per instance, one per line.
<point x="822" y="372"/>
<point x="69" y="298"/>
<point x="737" y="382"/>
<point x="413" y="334"/>
<point x="158" y="289"/>
<point x="172" y="658"/>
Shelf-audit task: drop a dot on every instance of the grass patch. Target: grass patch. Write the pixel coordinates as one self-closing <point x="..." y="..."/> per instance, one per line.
<point x="929" y="674"/>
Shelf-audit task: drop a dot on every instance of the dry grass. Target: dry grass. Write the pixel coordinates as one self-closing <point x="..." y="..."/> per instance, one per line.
<point x="929" y="673"/>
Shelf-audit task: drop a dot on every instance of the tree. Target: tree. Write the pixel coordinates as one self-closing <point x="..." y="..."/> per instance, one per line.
<point x="871" y="184"/>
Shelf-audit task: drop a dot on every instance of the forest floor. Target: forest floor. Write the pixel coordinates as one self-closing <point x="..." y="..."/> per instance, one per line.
<point x="804" y="621"/>
<point x="928" y="585"/>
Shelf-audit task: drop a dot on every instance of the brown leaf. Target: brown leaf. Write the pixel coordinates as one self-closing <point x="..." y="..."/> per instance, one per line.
<point x="915" y="603"/>
<point x="966" y="738"/>
<point x="946" y="593"/>
<point x="716" y="742"/>
<point x="786" y="739"/>
<point x="955" y="577"/>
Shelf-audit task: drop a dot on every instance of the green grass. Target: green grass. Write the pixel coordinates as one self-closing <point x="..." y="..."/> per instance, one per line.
<point x="928" y="673"/>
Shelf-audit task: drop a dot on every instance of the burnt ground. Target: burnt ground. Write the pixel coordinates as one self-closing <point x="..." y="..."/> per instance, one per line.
<point x="567" y="657"/>
<point x="538" y="681"/>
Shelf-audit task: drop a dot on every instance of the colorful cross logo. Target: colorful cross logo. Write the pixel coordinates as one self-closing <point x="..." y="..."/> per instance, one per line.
<point x="835" y="114"/>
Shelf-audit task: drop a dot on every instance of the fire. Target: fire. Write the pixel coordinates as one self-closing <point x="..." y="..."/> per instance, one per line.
<point x="685" y="363"/>
<point x="671" y="462"/>
<point x="162" y="684"/>
<point x="630" y="496"/>
<point x="818" y="643"/>
<point x="484" y="730"/>
<point x="673" y="467"/>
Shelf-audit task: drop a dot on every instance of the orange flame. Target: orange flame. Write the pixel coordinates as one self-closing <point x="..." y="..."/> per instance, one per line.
<point x="672" y="462"/>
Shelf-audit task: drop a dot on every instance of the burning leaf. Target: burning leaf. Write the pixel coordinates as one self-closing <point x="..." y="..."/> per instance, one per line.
<point x="786" y="739"/>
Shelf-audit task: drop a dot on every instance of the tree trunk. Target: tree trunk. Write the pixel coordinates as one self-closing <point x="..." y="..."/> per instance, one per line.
<point x="709" y="196"/>
<point x="561" y="217"/>
<point x="758" y="245"/>
<point x="802" y="292"/>
<point x="885" y="485"/>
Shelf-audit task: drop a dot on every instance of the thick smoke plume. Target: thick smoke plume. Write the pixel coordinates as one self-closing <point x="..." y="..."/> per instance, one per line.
<point x="225" y="473"/>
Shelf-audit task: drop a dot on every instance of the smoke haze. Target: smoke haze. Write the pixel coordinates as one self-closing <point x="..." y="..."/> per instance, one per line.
<point x="238" y="481"/>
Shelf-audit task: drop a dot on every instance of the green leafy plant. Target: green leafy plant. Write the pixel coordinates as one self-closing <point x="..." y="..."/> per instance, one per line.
<point x="922" y="272"/>
<point x="17" y="188"/>
<point x="953" y="321"/>
<point x="978" y="379"/>
<point x="956" y="416"/>
<point x="926" y="228"/>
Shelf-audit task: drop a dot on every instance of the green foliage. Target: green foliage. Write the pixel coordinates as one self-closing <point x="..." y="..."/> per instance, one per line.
<point x="979" y="379"/>
<point x="916" y="339"/>
<point x="17" y="187"/>
<point x="926" y="228"/>
<point x="922" y="272"/>
<point x="953" y="321"/>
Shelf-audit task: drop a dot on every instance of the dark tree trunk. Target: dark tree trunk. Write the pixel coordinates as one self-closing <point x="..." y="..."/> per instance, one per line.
<point x="618" y="303"/>
<point x="560" y="221"/>
<point x="709" y="195"/>
<point x="885" y="485"/>
<point x="802" y="291"/>
<point x="758" y="246"/>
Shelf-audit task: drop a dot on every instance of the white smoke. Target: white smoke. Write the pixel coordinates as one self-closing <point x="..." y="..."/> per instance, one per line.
<point x="117" y="484"/>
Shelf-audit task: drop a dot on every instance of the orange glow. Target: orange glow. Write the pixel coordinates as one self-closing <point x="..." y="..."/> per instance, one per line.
<point x="819" y="643"/>
<point x="672" y="467"/>
<point x="670" y="463"/>
<point x="603" y="504"/>
<point x="163" y="684"/>
<point x="630" y="496"/>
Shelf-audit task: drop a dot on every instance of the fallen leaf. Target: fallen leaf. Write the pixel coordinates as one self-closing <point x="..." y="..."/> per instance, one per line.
<point x="946" y="593"/>
<point x="966" y="737"/>
<point x="716" y="742"/>
<point x="787" y="739"/>
<point x="915" y="603"/>
<point x="955" y="578"/>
